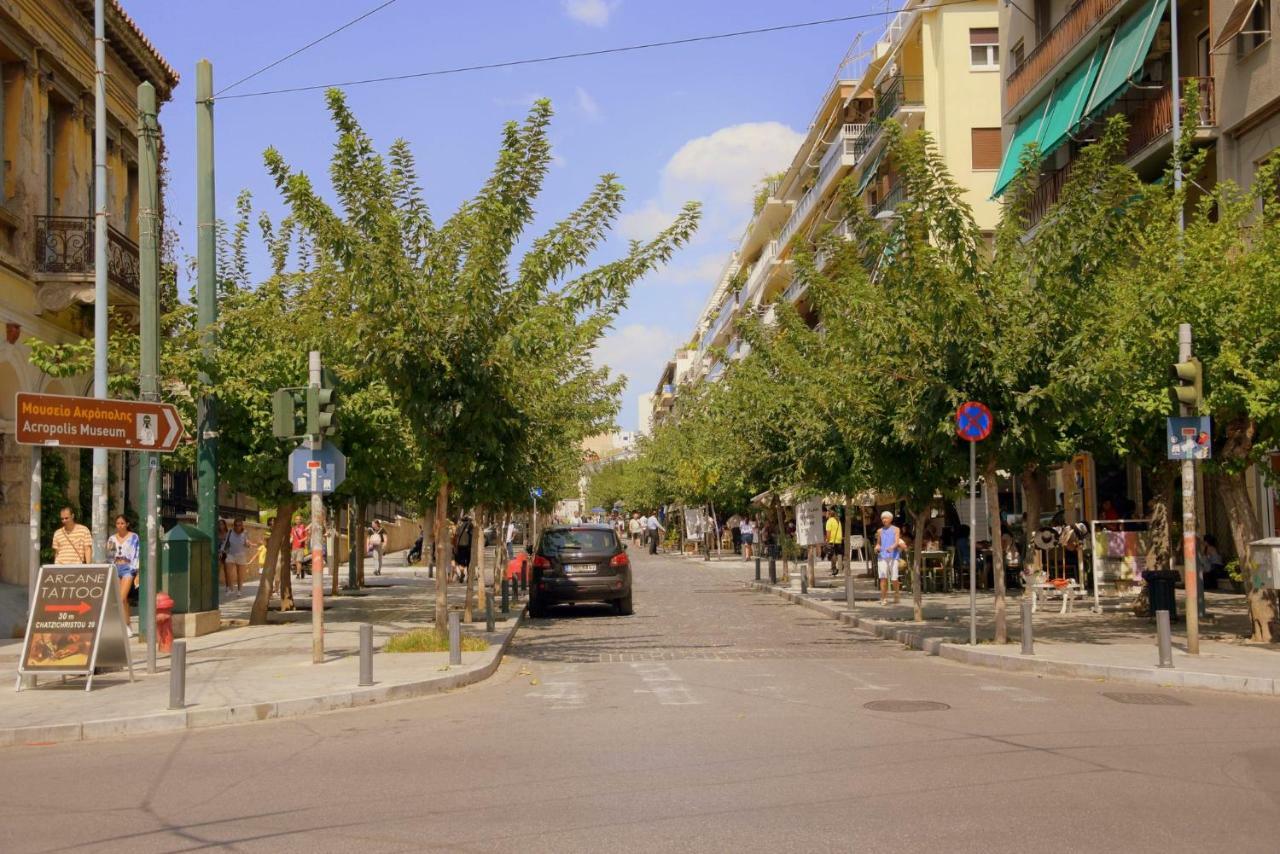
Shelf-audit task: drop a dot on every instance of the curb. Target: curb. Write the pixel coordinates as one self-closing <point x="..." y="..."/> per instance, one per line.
<point x="954" y="648"/>
<point x="199" y="718"/>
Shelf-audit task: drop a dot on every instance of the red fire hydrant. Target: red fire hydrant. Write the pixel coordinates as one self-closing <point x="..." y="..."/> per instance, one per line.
<point x="164" y="622"/>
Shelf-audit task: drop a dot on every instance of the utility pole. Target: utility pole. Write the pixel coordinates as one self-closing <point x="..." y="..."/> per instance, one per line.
<point x="206" y="306"/>
<point x="149" y="356"/>
<point x="317" y="533"/>
<point x="1176" y="97"/>
<point x="100" y="306"/>
<point x="1189" y="581"/>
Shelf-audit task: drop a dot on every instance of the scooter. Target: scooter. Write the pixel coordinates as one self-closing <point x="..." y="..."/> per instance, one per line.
<point x="415" y="553"/>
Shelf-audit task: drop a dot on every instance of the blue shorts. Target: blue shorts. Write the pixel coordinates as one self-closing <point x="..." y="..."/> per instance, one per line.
<point x="748" y="539"/>
<point x="123" y="571"/>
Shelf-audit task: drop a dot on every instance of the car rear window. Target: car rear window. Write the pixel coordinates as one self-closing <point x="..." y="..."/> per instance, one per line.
<point x="587" y="540"/>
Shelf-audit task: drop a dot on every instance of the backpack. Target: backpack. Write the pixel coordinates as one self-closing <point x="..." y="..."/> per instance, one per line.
<point x="464" y="535"/>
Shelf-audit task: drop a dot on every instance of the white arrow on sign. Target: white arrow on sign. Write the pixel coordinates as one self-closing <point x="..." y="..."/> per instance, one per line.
<point x="175" y="428"/>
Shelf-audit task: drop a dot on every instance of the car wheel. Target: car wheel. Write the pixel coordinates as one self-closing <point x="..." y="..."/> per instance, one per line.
<point x="622" y="607"/>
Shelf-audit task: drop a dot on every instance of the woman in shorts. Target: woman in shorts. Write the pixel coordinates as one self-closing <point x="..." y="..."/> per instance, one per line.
<point x="125" y="549"/>
<point x="889" y="549"/>
<point x="747" y="531"/>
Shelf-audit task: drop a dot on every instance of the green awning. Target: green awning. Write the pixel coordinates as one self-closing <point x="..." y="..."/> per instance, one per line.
<point x="1027" y="132"/>
<point x="868" y="174"/>
<point x="1066" y="107"/>
<point x="1126" y="53"/>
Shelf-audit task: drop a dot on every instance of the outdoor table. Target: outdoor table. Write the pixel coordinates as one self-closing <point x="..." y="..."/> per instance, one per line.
<point x="936" y="567"/>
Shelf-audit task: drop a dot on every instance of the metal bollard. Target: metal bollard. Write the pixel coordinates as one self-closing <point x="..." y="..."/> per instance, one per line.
<point x="488" y="614"/>
<point x="1028" y="641"/>
<point x="178" y="676"/>
<point x="1164" y="639"/>
<point x="757" y="569"/>
<point x="455" y="637"/>
<point x="804" y="580"/>
<point x="773" y="569"/>
<point x="506" y="593"/>
<point x="848" y="588"/>
<point x="366" y="655"/>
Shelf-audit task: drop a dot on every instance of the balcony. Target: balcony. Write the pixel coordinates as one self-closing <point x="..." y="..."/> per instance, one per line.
<point x="898" y="93"/>
<point x="1047" y="193"/>
<point x="1078" y="22"/>
<point x="795" y="290"/>
<point x="890" y="201"/>
<point x="761" y="271"/>
<point x="64" y="253"/>
<point x="1151" y="114"/>
<point x="841" y="152"/>
<point x="727" y="311"/>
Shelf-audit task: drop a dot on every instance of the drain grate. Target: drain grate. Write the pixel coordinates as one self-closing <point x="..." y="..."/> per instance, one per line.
<point x="1141" y="699"/>
<point x="905" y="706"/>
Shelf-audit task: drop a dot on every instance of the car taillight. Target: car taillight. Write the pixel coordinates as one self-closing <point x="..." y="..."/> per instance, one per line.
<point x="620" y="560"/>
<point x="540" y="562"/>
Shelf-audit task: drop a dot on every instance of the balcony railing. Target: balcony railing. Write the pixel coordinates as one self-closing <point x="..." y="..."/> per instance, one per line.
<point x="1079" y="20"/>
<point x="1046" y="193"/>
<point x="898" y="92"/>
<point x="64" y="244"/>
<point x="760" y="272"/>
<point x="1151" y="118"/>
<point x="890" y="201"/>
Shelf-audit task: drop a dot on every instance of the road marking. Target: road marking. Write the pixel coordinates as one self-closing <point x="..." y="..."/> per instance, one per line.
<point x="860" y="683"/>
<point x="1016" y="695"/>
<point x="664" y="683"/>
<point x="561" y="693"/>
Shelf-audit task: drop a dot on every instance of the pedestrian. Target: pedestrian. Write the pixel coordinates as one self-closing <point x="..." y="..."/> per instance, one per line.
<point x="835" y="540"/>
<point x="297" y="544"/>
<point x="221" y="546"/>
<point x="124" y="550"/>
<point x="747" y="531"/>
<point x="889" y="549"/>
<point x="238" y="552"/>
<point x="376" y="542"/>
<point x="509" y="540"/>
<point x="634" y="528"/>
<point x="462" y="549"/>
<point x="72" y="543"/>
<point x="653" y="526"/>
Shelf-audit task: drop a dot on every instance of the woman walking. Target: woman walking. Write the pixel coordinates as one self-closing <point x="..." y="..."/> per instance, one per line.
<point x="222" y="554"/>
<point x="125" y="549"/>
<point x="377" y="541"/>
<point x="747" y="531"/>
<point x="239" y="551"/>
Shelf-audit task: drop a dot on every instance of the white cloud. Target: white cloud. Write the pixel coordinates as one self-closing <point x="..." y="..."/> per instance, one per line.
<point x="586" y="103"/>
<point x="728" y="164"/>
<point x="637" y="351"/>
<point x="593" y="13"/>
<point x="644" y="223"/>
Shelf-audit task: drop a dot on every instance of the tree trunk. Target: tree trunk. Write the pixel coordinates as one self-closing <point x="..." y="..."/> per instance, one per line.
<point x="475" y="561"/>
<point x="917" y="594"/>
<point x="359" y="542"/>
<point x="1032" y="488"/>
<point x="284" y="570"/>
<point x="489" y="516"/>
<point x="428" y="541"/>
<point x="1161" y="500"/>
<point x="781" y="535"/>
<point x="441" y="528"/>
<point x="991" y="487"/>
<point x="1244" y="530"/>
<point x="279" y="534"/>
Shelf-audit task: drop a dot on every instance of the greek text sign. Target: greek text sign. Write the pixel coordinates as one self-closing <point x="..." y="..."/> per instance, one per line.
<point x="90" y="422"/>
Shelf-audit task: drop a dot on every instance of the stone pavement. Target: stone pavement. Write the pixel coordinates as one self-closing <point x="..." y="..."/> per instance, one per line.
<point x="1112" y="645"/>
<point x="244" y="673"/>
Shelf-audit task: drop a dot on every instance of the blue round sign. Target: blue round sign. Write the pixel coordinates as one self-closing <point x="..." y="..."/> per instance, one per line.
<point x="973" y="421"/>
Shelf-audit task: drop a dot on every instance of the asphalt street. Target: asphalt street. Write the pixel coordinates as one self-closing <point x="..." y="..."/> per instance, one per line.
<point x="714" y="719"/>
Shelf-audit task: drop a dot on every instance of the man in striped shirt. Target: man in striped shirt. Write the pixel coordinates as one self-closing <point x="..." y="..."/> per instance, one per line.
<point x="72" y="543"/>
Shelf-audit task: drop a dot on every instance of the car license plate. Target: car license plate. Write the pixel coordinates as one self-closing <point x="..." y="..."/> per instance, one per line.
<point x="579" y="568"/>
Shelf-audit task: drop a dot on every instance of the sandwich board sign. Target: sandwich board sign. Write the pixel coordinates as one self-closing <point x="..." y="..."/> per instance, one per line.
<point x="75" y="625"/>
<point x="809" y="523"/>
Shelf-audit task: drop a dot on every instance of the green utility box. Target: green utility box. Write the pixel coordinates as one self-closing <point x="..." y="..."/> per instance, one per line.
<point x="186" y="570"/>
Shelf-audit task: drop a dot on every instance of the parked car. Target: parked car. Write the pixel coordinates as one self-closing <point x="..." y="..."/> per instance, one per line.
<point x="580" y="563"/>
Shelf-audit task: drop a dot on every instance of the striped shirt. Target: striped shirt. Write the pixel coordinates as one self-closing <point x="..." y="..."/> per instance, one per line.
<point x="74" y="546"/>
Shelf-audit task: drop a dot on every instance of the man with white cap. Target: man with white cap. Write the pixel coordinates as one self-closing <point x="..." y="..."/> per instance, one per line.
<point x="889" y="548"/>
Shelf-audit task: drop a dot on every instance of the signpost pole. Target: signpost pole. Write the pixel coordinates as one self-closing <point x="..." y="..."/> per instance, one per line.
<point x="149" y="349"/>
<point x="206" y="305"/>
<point x="1189" y="519"/>
<point x="973" y="543"/>
<point x="100" y="298"/>
<point x="37" y="486"/>
<point x="317" y="535"/>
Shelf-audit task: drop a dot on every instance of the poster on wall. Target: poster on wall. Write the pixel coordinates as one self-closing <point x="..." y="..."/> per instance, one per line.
<point x="809" y="523"/>
<point x="695" y="523"/>
<point x="75" y="625"/>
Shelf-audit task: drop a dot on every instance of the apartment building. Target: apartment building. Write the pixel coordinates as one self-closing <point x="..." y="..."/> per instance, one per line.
<point x="935" y="68"/>
<point x="1247" y="72"/>
<point x="46" y="209"/>
<point x="1072" y="65"/>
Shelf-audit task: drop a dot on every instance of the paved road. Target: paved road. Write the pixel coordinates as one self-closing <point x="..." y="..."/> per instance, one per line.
<point x="712" y="720"/>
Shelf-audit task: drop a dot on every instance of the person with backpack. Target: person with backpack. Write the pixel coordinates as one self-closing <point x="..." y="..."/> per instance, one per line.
<point x="377" y="540"/>
<point x="462" y="548"/>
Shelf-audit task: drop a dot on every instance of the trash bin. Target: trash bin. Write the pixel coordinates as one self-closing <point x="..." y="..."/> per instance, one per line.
<point x="1160" y="589"/>
<point x="187" y="572"/>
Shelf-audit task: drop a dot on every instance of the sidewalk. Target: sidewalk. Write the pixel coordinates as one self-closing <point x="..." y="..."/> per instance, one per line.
<point x="245" y="673"/>
<point x="1113" y="645"/>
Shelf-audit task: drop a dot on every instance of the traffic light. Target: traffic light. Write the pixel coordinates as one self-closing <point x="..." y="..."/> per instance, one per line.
<point x="1188" y="389"/>
<point x="288" y="413"/>
<point x="322" y="404"/>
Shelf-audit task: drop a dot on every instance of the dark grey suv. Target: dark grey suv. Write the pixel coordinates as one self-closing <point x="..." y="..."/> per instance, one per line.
<point x="580" y="563"/>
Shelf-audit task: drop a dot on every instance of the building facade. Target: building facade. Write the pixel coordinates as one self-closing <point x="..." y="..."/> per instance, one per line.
<point x="46" y="212"/>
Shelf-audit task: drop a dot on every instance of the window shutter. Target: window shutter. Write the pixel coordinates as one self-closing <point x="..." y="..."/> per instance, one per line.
<point x="986" y="148"/>
<point x="984" y="35"/>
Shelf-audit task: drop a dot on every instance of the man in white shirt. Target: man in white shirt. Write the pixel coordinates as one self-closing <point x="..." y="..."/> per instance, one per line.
<point x="653" y="527"/>
<point x="509" y="540"/>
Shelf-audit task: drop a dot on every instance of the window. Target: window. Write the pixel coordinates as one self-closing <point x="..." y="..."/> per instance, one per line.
<point x="984" y="48"/>
<point x="1043" y="15"/>
<point x="986" y="148"/>
<point x="1018" y="54"/>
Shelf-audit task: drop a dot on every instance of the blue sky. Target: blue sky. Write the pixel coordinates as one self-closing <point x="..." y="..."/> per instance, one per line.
<point x="702" y="121"/>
